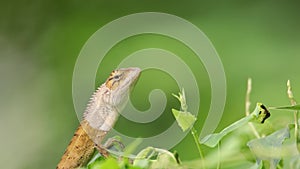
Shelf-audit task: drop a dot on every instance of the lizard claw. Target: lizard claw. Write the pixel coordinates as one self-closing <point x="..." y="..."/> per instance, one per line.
<point x="103" y="149"/>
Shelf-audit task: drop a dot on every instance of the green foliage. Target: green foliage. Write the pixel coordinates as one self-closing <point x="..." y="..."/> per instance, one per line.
<point x="295" y="162"/>
<point x="239" y="149"/>
<point x="184" y="118"/>
<point x="269" y="147"/>
<point x="162" y="158"/>
<point x="109" y="163"/>
<point x="257" y="115"/>
<point x="294" y="107"/>
<point x="213" y="139"/>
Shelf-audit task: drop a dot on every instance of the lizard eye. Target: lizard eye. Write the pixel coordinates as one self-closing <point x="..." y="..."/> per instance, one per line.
<point x="117" y="77"/>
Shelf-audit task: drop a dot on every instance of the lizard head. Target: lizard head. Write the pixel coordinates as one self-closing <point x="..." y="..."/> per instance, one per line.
<point x="119" y="83"/>
<point x="110" y="98"/>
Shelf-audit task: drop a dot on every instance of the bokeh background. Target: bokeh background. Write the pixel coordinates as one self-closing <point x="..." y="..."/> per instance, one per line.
<point x="40" y="41"/>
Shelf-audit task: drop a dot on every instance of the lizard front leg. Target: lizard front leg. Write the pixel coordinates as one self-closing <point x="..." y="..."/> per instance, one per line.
<point x="102" y="149"/>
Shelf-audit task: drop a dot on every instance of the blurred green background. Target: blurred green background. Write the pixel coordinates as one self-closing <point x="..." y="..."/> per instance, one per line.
<point x="40" y="41"/>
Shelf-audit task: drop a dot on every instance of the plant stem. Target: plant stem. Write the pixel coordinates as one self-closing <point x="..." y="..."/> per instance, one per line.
<point x="219" y="155"/>
<point x="247" y="102"/>
<point x="247" y="107"/>
<point x="195" y="135"/>
<point x="293" y="102"/>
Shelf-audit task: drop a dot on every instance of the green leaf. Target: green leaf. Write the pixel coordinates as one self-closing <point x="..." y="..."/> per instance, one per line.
<point x="256" y="166"/>
<point x="295" y="107"/>
<point x="184" y="119"/>
<point x="164" y="158"/>
<point x="96" y="160"/>
<point x="142" y="158"/>
<point x="213" y="139"/>
<point x="260" y="114"/>
<point x="109" y="163"/>
<point x="132" y="146"/>
<point x="295" y="162"/>
<point x="269" y="147"/>
<point x="133" y="167"/>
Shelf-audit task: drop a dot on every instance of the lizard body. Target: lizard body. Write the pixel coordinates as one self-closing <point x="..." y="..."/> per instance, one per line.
<point x="99" y="117"/>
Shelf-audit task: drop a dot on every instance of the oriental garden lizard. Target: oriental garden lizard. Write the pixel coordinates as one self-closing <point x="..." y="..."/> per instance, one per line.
<point x="99" y="118"/>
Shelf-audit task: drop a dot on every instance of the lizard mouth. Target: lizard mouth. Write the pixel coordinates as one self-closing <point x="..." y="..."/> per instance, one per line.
<point x="134" y="73"/>
<point x="138" y="72"/>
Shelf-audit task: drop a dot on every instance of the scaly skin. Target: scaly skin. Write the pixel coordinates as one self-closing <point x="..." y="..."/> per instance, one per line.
<point x="99" y="117"/>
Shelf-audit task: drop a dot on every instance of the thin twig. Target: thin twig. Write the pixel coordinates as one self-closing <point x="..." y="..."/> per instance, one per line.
<point x="290" y="93"/>
<point x="219" y="155"/>
<point x="248" y="103"/>
<point x="247" y="107"/>
<point x="195" y="136"/>
<point x="293" y="102"/>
